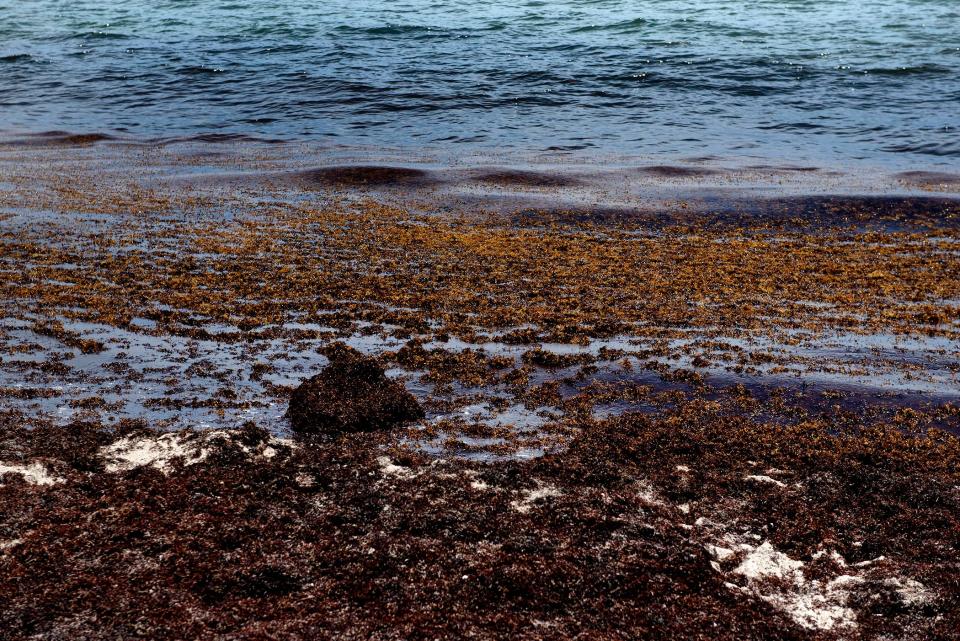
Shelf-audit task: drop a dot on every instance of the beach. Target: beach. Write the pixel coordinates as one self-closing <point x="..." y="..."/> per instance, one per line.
<point x="419" y="320"/>
<point x="661" y="398"/>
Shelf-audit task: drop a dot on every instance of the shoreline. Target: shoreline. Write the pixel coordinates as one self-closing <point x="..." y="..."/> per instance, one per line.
<point x="944" y="172"/>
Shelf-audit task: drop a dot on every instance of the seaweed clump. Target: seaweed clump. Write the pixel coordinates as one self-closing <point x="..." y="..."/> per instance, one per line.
<point x="366" y="176"/>
<point x="352" y="394"/>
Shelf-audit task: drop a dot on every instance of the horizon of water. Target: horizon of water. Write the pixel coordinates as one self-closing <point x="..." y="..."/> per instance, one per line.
<point x="822" y="81"/>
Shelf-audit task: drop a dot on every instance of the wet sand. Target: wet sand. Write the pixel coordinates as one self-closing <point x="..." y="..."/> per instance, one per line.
<point x="702" y="398"/>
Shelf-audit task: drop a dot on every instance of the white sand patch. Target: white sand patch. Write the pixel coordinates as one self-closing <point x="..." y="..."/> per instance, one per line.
<point x="778" y="579"/>
<point x="7" y="545"/>
<point x="162" y="450"/>
<point x="389" y="468"/>
<point x="766" y="561"/>
<point x="35" y="473"/>
<point x="833" y="554"/>
<point x="819" y="608"/>
<point x="811" y="604"/>
<point x="911" y="592"/>
<point x="530" y="497"/>
<point x="863" y="564"/>
<point x="719" y="552"/>
<point x="761" y="478"/>
<point x="769" y="574"/>
<point x="159" y="451"/>
<point x="265" y="450"/>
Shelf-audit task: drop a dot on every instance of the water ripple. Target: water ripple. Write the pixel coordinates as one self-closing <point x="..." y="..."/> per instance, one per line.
<point x="797" y="79"/>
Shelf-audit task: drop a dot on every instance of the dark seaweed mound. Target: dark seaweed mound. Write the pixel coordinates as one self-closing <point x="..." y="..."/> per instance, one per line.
<point x="60" y="139"/>
<point x="353" y="394"/>
<point x="520" y="178"/>
<point x="366" y="176"/>
<point x="672" y="171"/>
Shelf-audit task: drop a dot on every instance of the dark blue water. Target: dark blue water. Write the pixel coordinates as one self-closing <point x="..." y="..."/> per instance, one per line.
<point x="875" y="80"/>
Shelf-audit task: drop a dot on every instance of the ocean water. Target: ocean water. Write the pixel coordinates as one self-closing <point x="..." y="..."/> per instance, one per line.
<point x="874" y="81"/>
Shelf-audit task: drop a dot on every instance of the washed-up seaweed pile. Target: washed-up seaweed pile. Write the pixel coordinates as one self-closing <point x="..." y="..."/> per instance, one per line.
<point x="377" y="264"/>
<point x="692" y="525"/>
<point x="618" y="426"/>
<point x="212" y="303"/>
<point x="253" y="257"/>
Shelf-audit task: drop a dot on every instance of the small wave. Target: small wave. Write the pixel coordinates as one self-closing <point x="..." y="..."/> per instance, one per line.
<point x="98" y="35"/>
<point x="578" y="147"/>
<point x="624" y="26"/>
<point x="950" y="149"/>
<point x="780" y="168"/>
<point x="214" y="138"/>
<point x="17" y="57"/>
<point x="914" y="70"/>
<point x="460" y="139"/>
<point x="792" y="126"/>
<point x="199" y="70"/>
<point x="416" y="31"/>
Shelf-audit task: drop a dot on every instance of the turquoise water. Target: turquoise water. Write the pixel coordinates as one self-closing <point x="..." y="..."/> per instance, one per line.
<point x="877" y="80"/>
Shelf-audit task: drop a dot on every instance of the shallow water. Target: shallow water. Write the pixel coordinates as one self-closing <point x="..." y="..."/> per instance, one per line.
<point x="828" y="81"/>
<point x="184" y="382"/>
